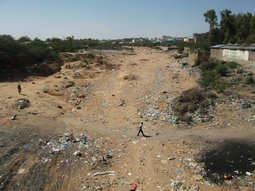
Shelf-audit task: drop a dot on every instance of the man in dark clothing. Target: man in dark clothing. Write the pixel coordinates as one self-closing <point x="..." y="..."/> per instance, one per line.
<point x="140" y="129"/>
<point x="19" y="88"/>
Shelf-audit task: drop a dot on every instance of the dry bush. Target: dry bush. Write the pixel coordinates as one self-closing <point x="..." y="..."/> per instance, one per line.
<point x="189" y="102"/>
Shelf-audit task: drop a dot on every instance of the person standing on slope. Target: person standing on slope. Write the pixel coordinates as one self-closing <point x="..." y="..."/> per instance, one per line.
<point x="19" y="88"/>
<point x="140" y="127"/>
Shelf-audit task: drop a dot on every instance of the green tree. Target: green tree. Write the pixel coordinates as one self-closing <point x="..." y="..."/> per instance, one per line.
<point x="24" y="39"/>
<point x="211" y="18"/>
<point x="227" y="24"/>
<point x="251" y="38"/>
<point x="11" y="52"/>
<point x="39" y="51"/>
<point x="243" y="27"/>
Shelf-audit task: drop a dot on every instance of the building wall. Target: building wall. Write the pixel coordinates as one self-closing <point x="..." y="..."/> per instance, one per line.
<point x="252" y="56"/>
<point x="216" y="53"/>
<point x="236" y="54"/>
<point x="233" y="55"/>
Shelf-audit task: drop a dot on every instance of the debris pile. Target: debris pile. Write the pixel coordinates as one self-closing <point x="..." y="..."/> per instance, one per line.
<point x="22" y="103"/>
<point x="191" y="106"/>
<point x="191" y="103"/>
<point x="79" y="93"/>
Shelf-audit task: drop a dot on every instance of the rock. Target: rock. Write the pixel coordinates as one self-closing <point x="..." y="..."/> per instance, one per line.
<point x="195" y="188"/>
<point x="2" y="144"/>
<point x="55" y="150"/>
<point x="171" y="158"/>
<point x="69" y="137"/>
<point x="14" y="117"/>
<point x="122" y="103"/>
<point x="77" y="153"/>
<point x="83" y="139"/>
<point x="109" y="154"/>
<point x="198" y="177"/>
<point x="21" y="171"/>
<point x="98" y="188"/>
<point x="22" y="103"/>
<point x="59" y="107"/>
<point x="67" y="84"/>
<point x="176" y="185"/>
<point x="246" y="105"/>
<point x="94" y="159"/>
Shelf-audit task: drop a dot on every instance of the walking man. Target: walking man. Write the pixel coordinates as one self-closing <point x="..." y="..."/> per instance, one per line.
<point x="19" y="88"/>
<point x="140" y="127"/>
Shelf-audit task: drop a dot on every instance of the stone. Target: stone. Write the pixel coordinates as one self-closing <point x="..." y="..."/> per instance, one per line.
<point x="14" y="117"/>
<point x="59" y="107"/>
<point x="198" y="177"/>
<point x="109" y="154"/>
<point x="176" y="185"/>
<point x="195" y="188"/>
<point x="67" y="84"/>
<point x="77" y="153"/>
<point x="171" y="158"/>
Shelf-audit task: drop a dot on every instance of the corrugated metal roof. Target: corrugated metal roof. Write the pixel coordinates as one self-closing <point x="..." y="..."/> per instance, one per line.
<point x="234" y="47"/>
<point x="217" y="46"/>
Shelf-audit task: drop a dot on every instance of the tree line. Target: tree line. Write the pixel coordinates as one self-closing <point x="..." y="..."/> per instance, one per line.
<point x="18" y="56"/>
<point x="232" y="28"/>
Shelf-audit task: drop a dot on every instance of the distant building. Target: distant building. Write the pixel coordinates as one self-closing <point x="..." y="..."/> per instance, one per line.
<point x="245" y="54"/>
<point x="199" y="36"/>
<point x="168" y="38"/>
<point x="190" y="39"/>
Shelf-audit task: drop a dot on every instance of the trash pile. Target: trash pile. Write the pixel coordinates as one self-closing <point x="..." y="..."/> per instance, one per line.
<point x="191" y="106"/>
<point x="79" y="93"/>
<point x="22" y="103"/>
<point x="70" y="146"/>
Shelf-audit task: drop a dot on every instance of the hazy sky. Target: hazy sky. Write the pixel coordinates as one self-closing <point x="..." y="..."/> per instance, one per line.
<point x="110" y="19"/>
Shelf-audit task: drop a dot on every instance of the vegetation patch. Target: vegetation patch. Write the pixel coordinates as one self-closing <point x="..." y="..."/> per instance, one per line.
<point x="214" y="74"/>
<point x="190" y="103"/>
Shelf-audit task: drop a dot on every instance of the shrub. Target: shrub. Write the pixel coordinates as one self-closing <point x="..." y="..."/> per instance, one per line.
<point x="220" y="87"/>
<point x="185" y="64"/>
<point x="221" y="69"/>
<point x="240" y="71"/>
<point x="197" y="63"/>
<point x="249" y="80"/>
<point x="190" y="102"/>
<point x="250" y="74"/>
<point x="207" y="66"/>
<point x="233" y="65"/>
<point x="208" y="79"/>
